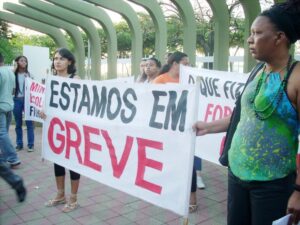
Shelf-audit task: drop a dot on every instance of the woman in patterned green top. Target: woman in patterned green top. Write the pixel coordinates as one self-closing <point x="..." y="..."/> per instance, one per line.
<point x="262" y="181"/>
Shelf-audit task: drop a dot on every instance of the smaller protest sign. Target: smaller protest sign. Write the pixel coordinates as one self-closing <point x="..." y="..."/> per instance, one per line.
<point x="34" y="99"/>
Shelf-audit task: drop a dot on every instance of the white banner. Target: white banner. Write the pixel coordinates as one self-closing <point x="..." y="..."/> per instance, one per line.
<point x="134" y="137"/>
<point x="34" y="98"/>
<point x="218" y="91"/>
<point x="121" y="79"/>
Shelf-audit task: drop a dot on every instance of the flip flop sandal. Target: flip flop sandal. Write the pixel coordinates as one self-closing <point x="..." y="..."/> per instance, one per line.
<point x="193" y="208"/>
<point x="55" y="202"/>
<point x="69" y="207"/>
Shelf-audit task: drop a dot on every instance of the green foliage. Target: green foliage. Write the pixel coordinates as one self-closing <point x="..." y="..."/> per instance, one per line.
<point x="6" y="48"/>
<point x="148" y="34"/>
<point x="5" y="32"/>
<point x="9" y="51"/>
<point x="13" y="44"/>
<point x="14" y="47"/>
<point x="124" y="38"/>
<point x="36" y="40"/>
<point x="104" y="42"/>
<point x="85" y="42"/>
<point x="205" y="27"/>
<point x="237" y="30"/>
<point x="175" y="34"/>
<point x="70" y="43"/>
<point x="205" y="36"/>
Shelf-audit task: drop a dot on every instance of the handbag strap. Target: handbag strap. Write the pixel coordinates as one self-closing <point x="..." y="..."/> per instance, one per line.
<point x="289" y="74"/>
<point x="253" y="73"/>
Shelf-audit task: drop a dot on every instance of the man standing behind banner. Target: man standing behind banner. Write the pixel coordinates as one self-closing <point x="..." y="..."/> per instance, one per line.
<point x="7" y="85"/>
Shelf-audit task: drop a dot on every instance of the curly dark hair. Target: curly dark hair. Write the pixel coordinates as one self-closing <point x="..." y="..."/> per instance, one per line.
<point x="286" y="18"/>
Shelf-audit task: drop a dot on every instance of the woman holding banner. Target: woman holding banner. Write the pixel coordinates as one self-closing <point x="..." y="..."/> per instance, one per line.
<point x="170" y="74"/>
<point x="63" y="65"/>
<point x="152" y="68"/>
<point x="143" y="76"/>
<point x="262" y="181"/>
<point x="21" y="72"/>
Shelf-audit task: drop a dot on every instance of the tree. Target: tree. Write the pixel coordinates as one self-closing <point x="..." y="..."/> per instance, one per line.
<point x="148" y="34"/>
<point x="205" y="26"/>
<point x="237" y="30"/>
<point x="204" y="22"/>
<point x="103" y="41"/>
<point x="124" y="39"/>
<point x="5" y="31"/>
<point x="174" y="26"/>
<point x="8" y="51"/>
<point x="205" y="37"/>
<point x="237" y="25"/>
<point x="175" y="34"/>
<point x="37" y="40"/>
<point x="6" y="48"/>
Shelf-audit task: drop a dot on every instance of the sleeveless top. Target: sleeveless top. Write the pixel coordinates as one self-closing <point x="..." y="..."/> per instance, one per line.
<point x="263" y="150"/>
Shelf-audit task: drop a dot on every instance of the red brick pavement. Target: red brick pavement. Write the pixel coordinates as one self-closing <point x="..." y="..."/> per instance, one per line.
<point x="100" y="204"/>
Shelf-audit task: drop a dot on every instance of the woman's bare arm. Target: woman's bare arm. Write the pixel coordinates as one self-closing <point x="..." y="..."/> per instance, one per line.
<point x="216" y="126"/>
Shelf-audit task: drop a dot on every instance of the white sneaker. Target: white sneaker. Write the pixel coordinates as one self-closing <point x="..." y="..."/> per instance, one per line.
<point x="200" y="183"/>
<point x="30" y="149"/>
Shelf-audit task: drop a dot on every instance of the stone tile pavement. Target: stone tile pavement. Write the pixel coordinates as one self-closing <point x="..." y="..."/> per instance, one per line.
<point x="100" y="204"/>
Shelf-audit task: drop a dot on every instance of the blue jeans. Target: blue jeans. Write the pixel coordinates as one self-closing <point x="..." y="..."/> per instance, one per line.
<point x="9" y="176"/>
<point x="197" y="163"/>
<point x="194" y="180"/>
<point x="18" y="112"/>
<point x="8" y="151"/>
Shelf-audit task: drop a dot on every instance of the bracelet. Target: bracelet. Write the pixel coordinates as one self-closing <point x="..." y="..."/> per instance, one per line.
<point x="297" y="187"/>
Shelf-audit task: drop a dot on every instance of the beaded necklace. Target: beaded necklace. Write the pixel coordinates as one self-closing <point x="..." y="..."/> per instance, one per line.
<point x="265" y="112"/>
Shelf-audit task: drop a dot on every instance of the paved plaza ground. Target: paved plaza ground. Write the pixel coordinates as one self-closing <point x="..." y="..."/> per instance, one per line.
<point x="100" y="204"/>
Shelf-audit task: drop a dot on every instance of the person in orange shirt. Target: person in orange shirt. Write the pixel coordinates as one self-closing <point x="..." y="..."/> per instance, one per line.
<point x="170" y="71"/>
<point x="170" y="74"/>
